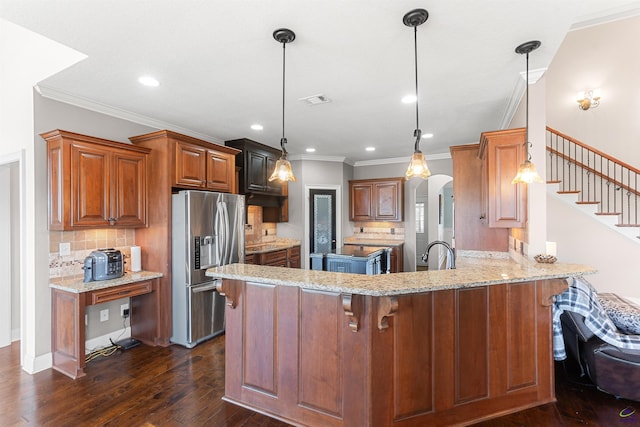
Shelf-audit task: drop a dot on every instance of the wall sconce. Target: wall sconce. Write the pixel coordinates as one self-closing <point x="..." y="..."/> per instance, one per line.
<point x="588" y="99"/>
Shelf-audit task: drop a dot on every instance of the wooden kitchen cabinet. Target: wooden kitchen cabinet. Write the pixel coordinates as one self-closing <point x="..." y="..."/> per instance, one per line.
<point x="471" y="231"/>
<point x="504" y="204"/>
<point x="257" y="162"/>
<point x="376" y="199"/>
<point x="176" y="162"/>
<point x="198" y="166"/>
<point x="287" y="257"/>
<point x="94" y="182"/>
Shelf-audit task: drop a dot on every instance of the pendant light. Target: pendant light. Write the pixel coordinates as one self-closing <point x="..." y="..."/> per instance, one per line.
<point x="418" y="165"/>
<point x="527" y="171"/>
<point x="283" y="171"/>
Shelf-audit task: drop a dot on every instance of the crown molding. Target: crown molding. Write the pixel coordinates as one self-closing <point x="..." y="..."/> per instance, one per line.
<point x="613" y="14"/>
<point x="395" y="160"/>
<point x="338" y="159"/>
<point x="518" y="93"/>
<point x="67" y="98"/>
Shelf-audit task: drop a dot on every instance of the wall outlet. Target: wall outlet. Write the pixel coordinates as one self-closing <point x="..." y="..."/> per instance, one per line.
<point x="124" y="310"/>
<point x="64" y="249"/>
<point x="104" y="315"/>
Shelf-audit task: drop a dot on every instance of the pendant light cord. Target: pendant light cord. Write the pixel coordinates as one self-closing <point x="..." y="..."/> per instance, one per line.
<point x="526" y="129"/>
<point x="283" y="141"/>
<point x="417" y="133"/>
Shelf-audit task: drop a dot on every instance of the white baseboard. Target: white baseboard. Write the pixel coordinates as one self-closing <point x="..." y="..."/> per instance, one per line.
<point x="105" y="340"/>
<point x="33" y="365"/>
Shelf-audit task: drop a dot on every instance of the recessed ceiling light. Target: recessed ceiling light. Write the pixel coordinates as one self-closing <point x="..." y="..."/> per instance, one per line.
<point x="370" y="148"/>
<point x="409" y="99"/>
<point x="149" y="81"/>
<point x="257" y="127"/>
<point x="427" y="135"/>
<point x="311" y="150"/>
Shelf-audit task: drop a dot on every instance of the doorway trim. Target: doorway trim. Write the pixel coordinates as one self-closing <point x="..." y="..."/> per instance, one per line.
<point x="307" y="232"/>
<point x="7" y="160"/>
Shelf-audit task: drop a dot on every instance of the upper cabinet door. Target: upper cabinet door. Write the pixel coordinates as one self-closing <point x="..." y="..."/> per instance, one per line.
<point x="90" y="186"/>
<point x="387" y="201"/>
<point x="256" y="173"/>
<point x="361" y="201"/>
<point x="129" y="203"/>
<point x="190" y="165"/>
<point x="502" y="152"/>
<point x="220" y="171"/>
<point x="94" y="182"/>
<point x="376" y="200"/>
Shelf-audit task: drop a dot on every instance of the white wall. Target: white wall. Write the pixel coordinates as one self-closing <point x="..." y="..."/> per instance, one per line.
<point x="602" y="57"/>
<point x="605" y="57"/>
<point x="27" y="59"/>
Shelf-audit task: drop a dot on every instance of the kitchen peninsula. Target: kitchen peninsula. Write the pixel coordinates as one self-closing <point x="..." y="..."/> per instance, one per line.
<point x="447" y="347"/>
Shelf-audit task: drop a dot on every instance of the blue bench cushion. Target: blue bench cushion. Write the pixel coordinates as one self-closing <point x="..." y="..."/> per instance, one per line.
<point x="623" y="313"/>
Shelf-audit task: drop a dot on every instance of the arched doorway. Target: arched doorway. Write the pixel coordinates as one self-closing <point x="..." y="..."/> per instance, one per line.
<point x="434" y="218"/>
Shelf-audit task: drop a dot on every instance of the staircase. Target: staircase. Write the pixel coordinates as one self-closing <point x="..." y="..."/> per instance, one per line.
<point x="595" y="182"/>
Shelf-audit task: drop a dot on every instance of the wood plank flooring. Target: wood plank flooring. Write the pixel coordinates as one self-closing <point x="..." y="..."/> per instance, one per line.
<point x="155" y="386"/>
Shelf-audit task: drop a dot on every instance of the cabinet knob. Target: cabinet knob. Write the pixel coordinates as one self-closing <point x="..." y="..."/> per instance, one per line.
<point x="112" y="221"/>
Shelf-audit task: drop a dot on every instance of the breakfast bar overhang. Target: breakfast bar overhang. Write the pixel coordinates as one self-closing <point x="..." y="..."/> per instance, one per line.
<point x="449" y="347"/>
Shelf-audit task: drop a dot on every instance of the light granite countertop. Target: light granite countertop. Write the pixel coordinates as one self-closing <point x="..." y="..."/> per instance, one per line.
<point x="470" y="272"/>
<point x="76" y="285"/>
<point x="270" y="246"/>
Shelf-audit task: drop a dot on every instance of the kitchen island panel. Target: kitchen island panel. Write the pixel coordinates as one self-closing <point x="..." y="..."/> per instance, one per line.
<point x="450" y="357"/>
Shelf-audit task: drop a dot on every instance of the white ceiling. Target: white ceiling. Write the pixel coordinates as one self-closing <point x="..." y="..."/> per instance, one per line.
<point x="221" y="71"/>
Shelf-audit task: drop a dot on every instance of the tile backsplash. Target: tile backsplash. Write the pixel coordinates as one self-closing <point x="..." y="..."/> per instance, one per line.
<point x="257" y="231"/>
<point x="82" y="242"/>
<point x="379" y="230"/>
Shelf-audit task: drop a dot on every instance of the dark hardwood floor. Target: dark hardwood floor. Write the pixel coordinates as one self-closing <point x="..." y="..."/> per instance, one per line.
<point x="155" y="386"/>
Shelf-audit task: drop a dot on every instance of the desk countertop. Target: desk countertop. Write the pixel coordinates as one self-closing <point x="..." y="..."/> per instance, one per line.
<point x="76" y="285"/>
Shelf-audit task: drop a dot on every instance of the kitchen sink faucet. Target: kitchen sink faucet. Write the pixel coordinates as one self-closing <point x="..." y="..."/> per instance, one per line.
<point x="451" y="256"/>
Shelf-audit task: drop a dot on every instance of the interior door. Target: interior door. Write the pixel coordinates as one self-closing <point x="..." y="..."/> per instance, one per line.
<point x="322" y="220"/>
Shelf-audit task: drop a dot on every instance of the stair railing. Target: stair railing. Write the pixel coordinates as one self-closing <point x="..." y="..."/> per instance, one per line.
<point x="596" y="176"/>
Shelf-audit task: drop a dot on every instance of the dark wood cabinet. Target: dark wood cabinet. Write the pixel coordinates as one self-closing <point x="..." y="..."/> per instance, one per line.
<point x="504" y="205"/>
<point x="257" y="161"/>
<point x="94" y="182"/>
<point x="376" y="200"/>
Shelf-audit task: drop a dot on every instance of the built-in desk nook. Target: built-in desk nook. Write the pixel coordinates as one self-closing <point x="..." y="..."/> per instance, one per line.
<point x="447" y="347"/>
<point x="70" y="296"/>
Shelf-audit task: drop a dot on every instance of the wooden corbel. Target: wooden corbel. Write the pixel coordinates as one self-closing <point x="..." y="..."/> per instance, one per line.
<point x="348" y="304"/>
<point x="228" y="291"/>
<point x="387" y="307"/>
<point x="553" y="287"/>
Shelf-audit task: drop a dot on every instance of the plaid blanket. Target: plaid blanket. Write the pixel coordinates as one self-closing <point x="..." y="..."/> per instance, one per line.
<point x="581" y="298"/>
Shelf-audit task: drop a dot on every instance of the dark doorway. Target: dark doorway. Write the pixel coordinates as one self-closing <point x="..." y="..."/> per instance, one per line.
<point x="322" y="220"/>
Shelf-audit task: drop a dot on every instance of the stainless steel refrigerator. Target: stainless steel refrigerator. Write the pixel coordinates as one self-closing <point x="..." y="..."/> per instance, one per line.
<point x="207" y="231"/>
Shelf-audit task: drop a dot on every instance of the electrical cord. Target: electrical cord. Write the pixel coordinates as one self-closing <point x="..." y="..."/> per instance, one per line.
<point x="109" y="350"/>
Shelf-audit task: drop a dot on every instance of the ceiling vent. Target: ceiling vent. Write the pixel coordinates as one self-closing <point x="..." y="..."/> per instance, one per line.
<point x="315" y="100"/>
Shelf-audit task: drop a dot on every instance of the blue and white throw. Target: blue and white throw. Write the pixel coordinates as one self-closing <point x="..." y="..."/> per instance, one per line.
<point x="582" y="298"/>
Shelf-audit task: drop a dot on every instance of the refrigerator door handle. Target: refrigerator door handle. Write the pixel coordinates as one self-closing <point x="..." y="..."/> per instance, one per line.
<point x="225" y="220"/>
<point x="204" y="288"/>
